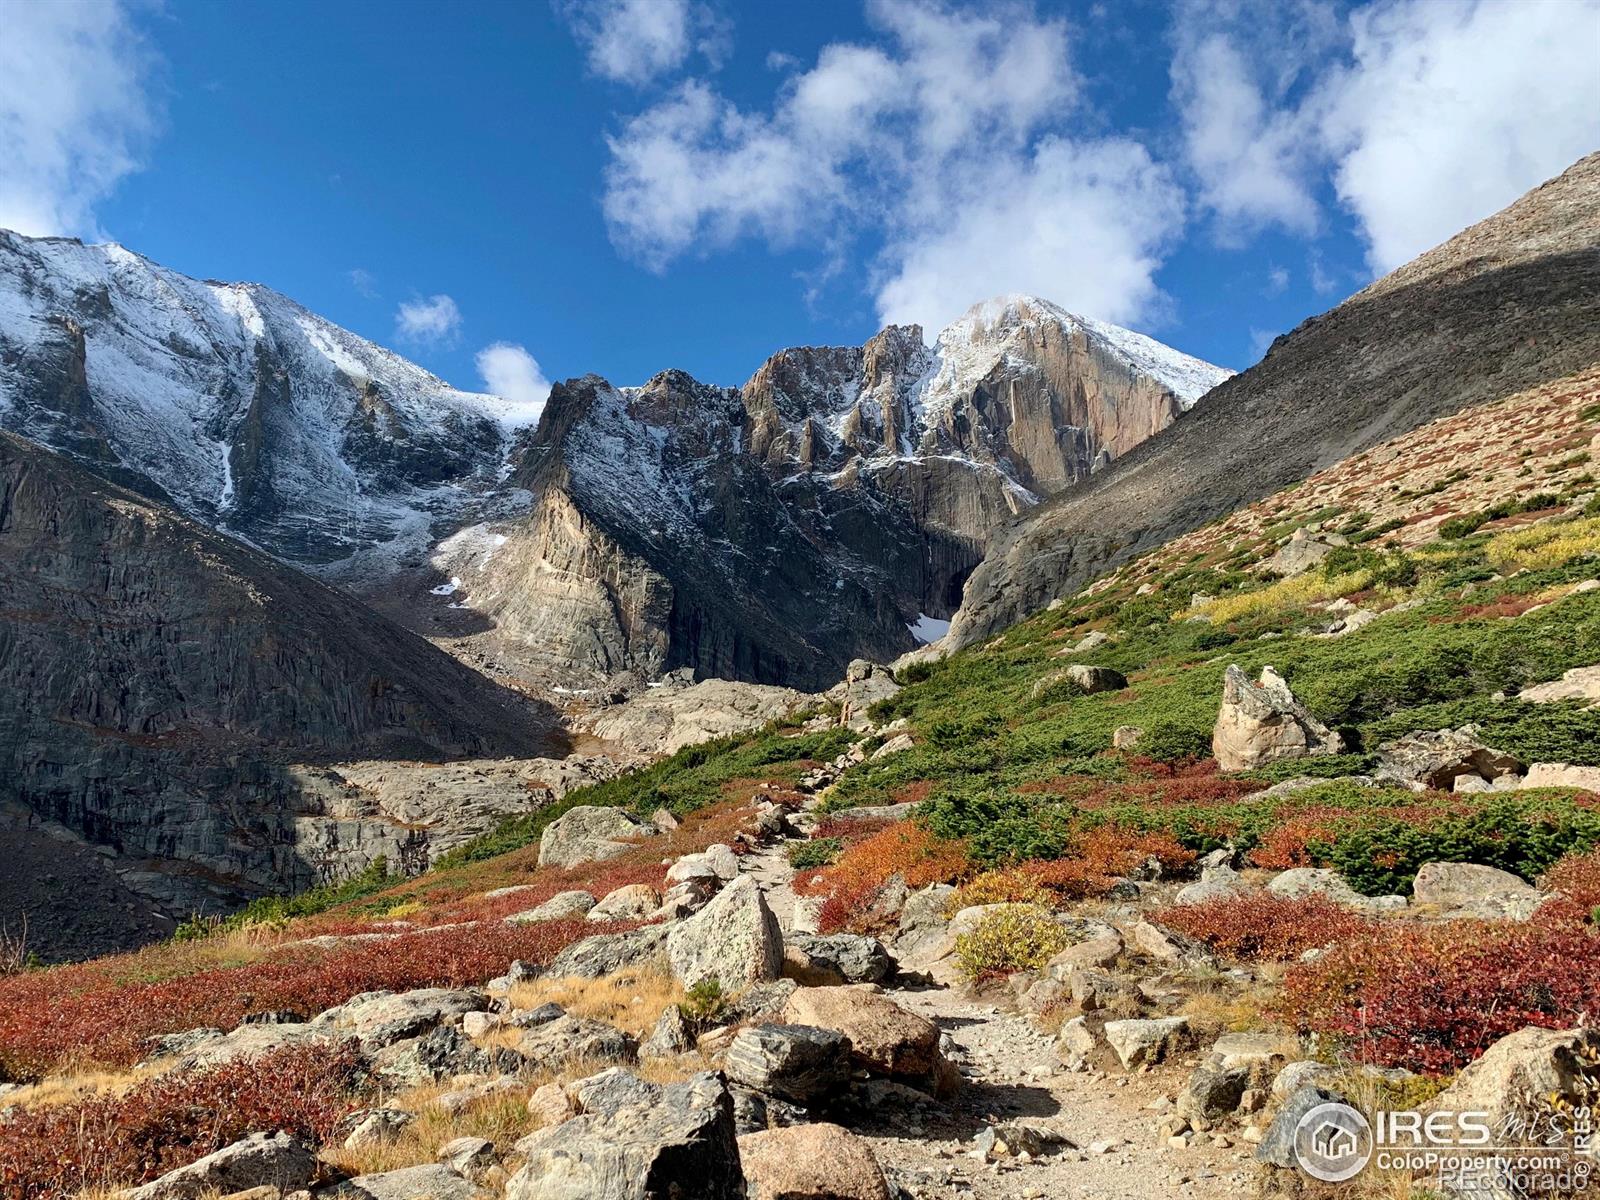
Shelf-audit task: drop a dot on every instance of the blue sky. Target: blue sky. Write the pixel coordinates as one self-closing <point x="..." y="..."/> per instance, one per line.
<point x="622" y="186"/>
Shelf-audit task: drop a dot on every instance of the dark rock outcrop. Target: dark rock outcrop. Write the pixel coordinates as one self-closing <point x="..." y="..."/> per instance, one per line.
<point x="170" y="694"/>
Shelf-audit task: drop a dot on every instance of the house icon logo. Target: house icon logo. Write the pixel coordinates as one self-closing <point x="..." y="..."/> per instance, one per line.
<point x="1333" y="1142"/>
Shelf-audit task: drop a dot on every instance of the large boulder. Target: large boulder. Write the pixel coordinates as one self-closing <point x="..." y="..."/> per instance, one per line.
<point x="1302" y="882"/>
<point x="569" y="1039"/>
<point x="1561" y="775"/>
<point x="814" y="960"/>
<point x="1215" y="883"/>
<point x="1445" y="759"/>
<point x="1138" y="1042"/>
<point x="801" y="1063"/>
<point x="590" y="833"/>
<point x="607" y="953"/>
<point x="381" y="1019"/>
<point x="1262" y="722"/>
<point x="734" y="940"/>
<point x="260" y="1160"/>
<point x="631" y="902"/>
<point x="679" y="1143"/>
<point x="884" y="1038"/>
<point x="864" y="684"/>
<point x="1303" y="551"/>
<point x="811" y="1162"/>
<point x="1580" y="683"/>
<point x="1530" y="1066"/>
<point x="1474" y="890"/>
<point x="666" y="719"/>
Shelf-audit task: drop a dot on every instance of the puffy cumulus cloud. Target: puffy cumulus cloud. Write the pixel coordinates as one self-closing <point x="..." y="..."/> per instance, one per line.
<point x="435" y="320"/>
<point x="1450" y="112"/>
<point x="1422" y="116"/>
<point x="948" y="138"/>
<point x="76" y="111"/>
<point x="636" y="41"/>
<point x="511" y="373"/>
<point x="1082" y="222"/>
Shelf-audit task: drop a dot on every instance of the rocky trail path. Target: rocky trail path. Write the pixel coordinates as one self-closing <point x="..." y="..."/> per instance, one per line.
<point x="1011" y="1071"/>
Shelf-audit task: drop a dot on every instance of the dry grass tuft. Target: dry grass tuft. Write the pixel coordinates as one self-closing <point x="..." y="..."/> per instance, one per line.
<point x="631" y="1000"/>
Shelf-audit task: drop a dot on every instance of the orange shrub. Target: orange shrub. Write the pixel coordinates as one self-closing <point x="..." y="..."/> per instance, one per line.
<point x="1266" y="926"/>
<point x="1577" y="878"/>
<point x="905" y="849"/>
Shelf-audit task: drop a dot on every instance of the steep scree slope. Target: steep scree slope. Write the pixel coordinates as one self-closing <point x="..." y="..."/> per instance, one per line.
<point x="1510" y="303"/>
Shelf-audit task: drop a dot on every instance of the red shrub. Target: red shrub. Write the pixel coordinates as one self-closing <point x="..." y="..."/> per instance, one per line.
<point x="45" y="1021"/>
<point x="172" y="1120"/>
<point x="1577" y="878"/>
<point x="1434" y="998"/>
<point x="1267" y="927"/>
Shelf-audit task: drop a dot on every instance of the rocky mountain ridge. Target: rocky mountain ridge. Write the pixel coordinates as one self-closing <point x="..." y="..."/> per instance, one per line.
<point x="1504" y="306"/>
<point x="828" y="510"/>
<point x="237" y="405"/>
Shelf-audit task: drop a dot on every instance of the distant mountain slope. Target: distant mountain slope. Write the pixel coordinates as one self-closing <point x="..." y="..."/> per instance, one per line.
<point x="244" y="409"/>
<point x="1508" y="304"/>
<point x="160" y="683"/>
<point x="830" y="509"/>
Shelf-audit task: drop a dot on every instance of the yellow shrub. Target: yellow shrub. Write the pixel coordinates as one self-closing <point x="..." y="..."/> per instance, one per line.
<point x="1548" y="544"/>
<point x="998" y="887"/>
<point x="1018" y="937"/>
<point x="1297" y="592"/>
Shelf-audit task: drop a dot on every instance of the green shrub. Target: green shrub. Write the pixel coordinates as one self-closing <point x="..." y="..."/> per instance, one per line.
<point x="1018" y="937"/>
<point x="818" y="852"/>
<point x="1524" y="835"/>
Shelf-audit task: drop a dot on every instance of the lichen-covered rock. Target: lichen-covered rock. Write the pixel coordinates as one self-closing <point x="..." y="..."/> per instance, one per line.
<point x="1262" y="722"/>
<point x="276" y="1159"/>
<point x="1215" y="883"/>
<point x="432" y="1181"/>
<point x="734" y="940"/>
<point x="669" y="1038"/>
<point x="607" y="953"/>
<point x="590" y="833"/>
<point x="1300" y="882"/>
<point x="1533" y="1065"/>
<point x="1137" y="1042"/>
<point x="631" y="902"/>
<point x="1441" y="758"/>
<point x="815" y="960"/>
<point x="1474" y="890"/>
<point x="678" y="1143"/>
<point x="569" y="1039"/>
<point x="563" y="906"/>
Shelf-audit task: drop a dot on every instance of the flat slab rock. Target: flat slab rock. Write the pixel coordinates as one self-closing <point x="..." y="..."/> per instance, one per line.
<point x="262" y="1159"/>
<point x="432" y="1181"/>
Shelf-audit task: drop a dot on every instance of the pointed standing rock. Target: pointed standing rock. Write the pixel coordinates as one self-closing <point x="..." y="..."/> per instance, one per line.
<point x="734" y="940"/>
<point x="1261" y="722"/>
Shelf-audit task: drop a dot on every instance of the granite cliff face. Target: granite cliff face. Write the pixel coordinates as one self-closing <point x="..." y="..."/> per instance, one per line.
<point x="828" y="510"/>
<point x="1504" y="306"/>
<point x="183" y="700"/>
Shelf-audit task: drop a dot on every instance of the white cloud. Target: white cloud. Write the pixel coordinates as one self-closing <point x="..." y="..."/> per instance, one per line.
<point x="949" y="137"/>
<point x="636" y="41"/>
<point x="1277" y="280"/>
<point x="1450" y="112"/>
<point x="435" y="320"/>
<point x="1083" y="223"/>
<point x="513" y="374"/>
<point x="364" y="282"/>
<point x="1432" y="115"/>
<point x="1251" y="161"/>
<point x="75" y="111"/>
